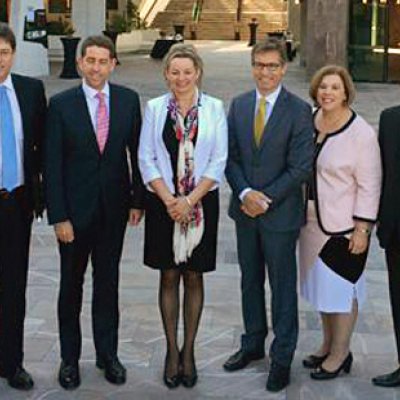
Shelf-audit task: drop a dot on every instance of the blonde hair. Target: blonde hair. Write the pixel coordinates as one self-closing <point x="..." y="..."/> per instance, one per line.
<point x="342" y="73"/>
<point x="181" y="50"/>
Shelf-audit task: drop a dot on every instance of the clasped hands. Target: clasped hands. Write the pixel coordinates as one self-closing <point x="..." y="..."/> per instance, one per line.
<point x="178" y="208"/>
<point x="255" y="203"/>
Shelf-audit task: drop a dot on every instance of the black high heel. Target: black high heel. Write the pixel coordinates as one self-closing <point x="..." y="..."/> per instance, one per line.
<point x="312" y="361"/>
<point x="188" y="381"/>
<point x="322" y="374"/>
<point x="171" y="382"/>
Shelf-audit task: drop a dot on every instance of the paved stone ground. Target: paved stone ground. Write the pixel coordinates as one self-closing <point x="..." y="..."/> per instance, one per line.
<point x="141" y="339"/>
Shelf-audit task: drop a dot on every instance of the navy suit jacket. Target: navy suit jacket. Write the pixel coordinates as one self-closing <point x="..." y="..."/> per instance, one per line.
<point x="388" y="228"/>
<point x="32" y="103"/>
<point x="279" y="166"/>
<point x="78" y="176"/>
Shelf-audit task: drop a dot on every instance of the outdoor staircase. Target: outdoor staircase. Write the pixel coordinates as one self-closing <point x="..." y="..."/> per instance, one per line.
<point x="218" y="18"/>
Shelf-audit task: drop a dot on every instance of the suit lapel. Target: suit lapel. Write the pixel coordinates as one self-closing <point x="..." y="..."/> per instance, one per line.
<point x="83" y="115"/>
<point x="248" y="118"/>
<point x="23" y="97"/>
<point x="275" y="117"/>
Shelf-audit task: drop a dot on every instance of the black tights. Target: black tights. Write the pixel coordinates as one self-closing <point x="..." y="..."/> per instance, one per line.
<point x="169" y="308"/>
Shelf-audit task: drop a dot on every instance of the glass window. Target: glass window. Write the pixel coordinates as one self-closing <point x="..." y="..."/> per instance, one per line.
<point x="3" y="11"/>
<point x="58" y="6"/>
<point x="112" y="4"/>
<point x="394" y="42"/>
<point x="367" y="35"/>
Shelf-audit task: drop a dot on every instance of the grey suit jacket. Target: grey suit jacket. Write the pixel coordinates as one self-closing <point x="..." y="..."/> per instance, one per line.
<point x="279" y="166"/>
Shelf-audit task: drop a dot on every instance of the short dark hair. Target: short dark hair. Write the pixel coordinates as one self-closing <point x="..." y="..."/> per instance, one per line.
<point x="267" y="46"/>
<point x="7" y="35"/>
<point x="99" y="41"/>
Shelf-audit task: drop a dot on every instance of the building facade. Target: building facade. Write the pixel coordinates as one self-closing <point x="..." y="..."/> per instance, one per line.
<point x="363" y="35"/>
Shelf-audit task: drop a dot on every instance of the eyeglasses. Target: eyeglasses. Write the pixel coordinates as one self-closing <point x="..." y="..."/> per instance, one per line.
<point x="5" y="53"/>
<point x="271" y="67"/>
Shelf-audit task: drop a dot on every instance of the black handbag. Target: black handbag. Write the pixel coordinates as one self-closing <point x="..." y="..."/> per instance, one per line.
<point x="336" y="255"/>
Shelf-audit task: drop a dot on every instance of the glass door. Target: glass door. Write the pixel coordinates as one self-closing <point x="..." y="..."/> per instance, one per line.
<point x="3" y="11"/>
<point x="368" y="40"/>
<point x="393" y="64"/>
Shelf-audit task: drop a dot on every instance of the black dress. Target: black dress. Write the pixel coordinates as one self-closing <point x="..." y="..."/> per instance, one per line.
<point x="159" y="227"/>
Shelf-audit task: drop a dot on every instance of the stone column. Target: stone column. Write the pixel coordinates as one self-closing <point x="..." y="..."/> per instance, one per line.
<point x="303" y="33"/>
<point x="294" y="15"/>
<point x="88" y="17"/>
<point x="327" y="33"/>
<point x="31" y="58"/>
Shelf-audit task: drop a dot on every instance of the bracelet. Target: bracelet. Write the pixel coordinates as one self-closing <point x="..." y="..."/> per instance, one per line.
<point x="188" y="201"/>
<point x="366" y="231"/>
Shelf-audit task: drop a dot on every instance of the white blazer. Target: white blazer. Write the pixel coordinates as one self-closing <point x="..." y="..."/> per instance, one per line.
<point x="211" y="148"/>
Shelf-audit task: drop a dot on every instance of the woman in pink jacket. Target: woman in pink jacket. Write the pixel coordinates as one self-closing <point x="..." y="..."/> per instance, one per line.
<point x="343" y="197"/>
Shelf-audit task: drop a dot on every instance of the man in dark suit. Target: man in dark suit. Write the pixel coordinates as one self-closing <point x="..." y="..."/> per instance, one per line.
<point x="22" y="118"/>
<point x="389" y="223"/>
<point x="91" y="192"/>
<point x="270" y="156"/>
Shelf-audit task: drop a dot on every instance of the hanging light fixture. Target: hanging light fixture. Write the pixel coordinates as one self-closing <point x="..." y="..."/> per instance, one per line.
<point x="398" y="2"/>
<point x="364" y="1"/>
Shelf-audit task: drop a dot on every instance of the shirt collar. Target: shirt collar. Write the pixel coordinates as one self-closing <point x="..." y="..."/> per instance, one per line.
<point x="8" y="84"/>
<point x="272" y="97"/>
<point x="91" y="93"/>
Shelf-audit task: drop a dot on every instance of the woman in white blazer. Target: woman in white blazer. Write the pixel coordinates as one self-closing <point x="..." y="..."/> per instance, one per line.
<point x="182" y="157"/>
<point x="343" y="199"/>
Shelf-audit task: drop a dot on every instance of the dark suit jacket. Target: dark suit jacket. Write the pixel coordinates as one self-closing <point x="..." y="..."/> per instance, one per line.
<point x="78" y="176"/>
<point x="278" y="166"/>
<point x="389" y="210"/>
<point x="32" y="103"/>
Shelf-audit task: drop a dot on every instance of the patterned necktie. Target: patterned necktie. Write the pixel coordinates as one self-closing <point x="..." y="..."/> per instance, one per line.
<point x="8" y="142"/>
<point x="259" y="122"/>
<point x="102" y="122"/>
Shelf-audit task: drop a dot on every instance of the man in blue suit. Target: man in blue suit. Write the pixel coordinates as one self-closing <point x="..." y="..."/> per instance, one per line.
<point x="270" y="157"/>
<point x="92" y="191"/>
<point x="22" y="122"/>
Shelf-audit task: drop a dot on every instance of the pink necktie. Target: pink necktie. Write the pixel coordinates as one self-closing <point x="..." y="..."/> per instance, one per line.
<point x="102" y="122"/>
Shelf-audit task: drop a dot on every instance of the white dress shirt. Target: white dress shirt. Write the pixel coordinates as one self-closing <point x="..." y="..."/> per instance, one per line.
<point x="19" y="136"/>
<point x="270" y="104"/>
<point x="93" y="102"/>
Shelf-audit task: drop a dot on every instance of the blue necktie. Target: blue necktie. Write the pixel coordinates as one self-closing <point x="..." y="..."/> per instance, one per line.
<point x="8" y="142"/>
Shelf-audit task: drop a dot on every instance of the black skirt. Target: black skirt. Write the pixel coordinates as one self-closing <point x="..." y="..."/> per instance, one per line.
<point x="159" y="227"/>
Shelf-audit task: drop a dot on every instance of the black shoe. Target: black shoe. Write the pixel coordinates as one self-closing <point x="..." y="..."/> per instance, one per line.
<point x="68" y="376"/>
<point x="114" y="371"/>
<point x="322" y="374"/>
<point x="20" y="380"/>
<point x="240" y="360"/>
<point x="388" y="380"/>
<point x="278" y="378"/>
<point x="188" y="381"/>
<point x="171" y="382"/>
<point x="313" y="361"/>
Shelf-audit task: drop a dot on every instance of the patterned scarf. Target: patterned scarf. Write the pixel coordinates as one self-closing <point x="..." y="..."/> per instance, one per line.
<point x="187" y="235"/>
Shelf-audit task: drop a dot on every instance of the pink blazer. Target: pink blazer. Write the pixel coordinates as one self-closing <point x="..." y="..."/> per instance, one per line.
<point x="347" y="177"/>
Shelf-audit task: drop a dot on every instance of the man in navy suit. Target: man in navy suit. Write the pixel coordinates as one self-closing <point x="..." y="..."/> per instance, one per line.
<point x="22" y="119"/>
<point x="91" y="193"/>
<point x="270" y="157"/>
<point x="388" y="230"/>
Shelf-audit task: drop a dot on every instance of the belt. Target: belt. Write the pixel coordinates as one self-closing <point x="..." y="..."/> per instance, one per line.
<point x="16" y="193"/>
